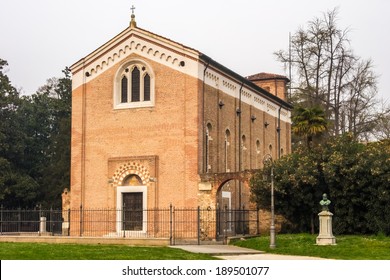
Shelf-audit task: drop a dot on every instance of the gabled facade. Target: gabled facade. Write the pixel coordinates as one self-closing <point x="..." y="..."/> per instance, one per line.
<point x="156" y="123"/>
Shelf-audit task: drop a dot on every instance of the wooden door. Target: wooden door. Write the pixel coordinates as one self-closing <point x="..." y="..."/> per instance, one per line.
<point x="132" y="211"/>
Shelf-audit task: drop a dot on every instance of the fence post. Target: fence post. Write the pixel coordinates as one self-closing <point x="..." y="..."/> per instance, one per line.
<point x="1" y="219"/>
<point x="40" y="214"/>
<point x="170" y="225"/>
<point x="19" y="218"/>
<point x="123" y="220"/>
<point x="218" y="222"/>
<point x="243" y="220"/>
<point x="198" y="225"/>
<point x="51" y="225"/>
<point x="257" y="221"/>
<point x="225" y="226"/>
<point x="81" y="220"/>
<point x="69" y="222"/>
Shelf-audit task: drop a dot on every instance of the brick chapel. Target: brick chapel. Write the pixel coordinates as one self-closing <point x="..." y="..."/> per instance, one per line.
<point x="156" y="123"/>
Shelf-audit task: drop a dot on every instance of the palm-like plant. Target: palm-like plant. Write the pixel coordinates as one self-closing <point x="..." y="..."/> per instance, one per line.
<point x="309" y="122"/>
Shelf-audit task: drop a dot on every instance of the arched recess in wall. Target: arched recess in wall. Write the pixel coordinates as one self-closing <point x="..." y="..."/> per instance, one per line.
<point x="233" y="202"/>
<point x="258" y="155"/>
<point x="244" y="156"/>
<point x="209" y="147"/>
<point x="132" y="180"/>
<point x="227" y="151"/>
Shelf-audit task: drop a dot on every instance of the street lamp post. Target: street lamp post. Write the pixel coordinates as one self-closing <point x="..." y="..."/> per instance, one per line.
<point x="272" y="244"/>
<point x="268" y="160"/>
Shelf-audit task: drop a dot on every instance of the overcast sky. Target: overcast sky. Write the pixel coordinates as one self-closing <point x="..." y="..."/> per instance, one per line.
<point x="39" y="38"/>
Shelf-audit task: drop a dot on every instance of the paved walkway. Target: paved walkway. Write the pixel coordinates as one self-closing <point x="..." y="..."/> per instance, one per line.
<point x="228" y="252"/>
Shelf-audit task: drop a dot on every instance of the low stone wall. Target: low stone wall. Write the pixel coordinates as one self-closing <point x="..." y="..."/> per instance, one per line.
<point x="87" y="240"/>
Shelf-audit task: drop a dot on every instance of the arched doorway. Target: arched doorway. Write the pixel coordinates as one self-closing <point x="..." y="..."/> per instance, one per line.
<point x="131" y="205"/>
<point x="233" y="208"/>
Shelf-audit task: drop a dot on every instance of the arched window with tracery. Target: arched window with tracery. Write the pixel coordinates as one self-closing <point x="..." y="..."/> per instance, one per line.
<point x="134" y="86"/>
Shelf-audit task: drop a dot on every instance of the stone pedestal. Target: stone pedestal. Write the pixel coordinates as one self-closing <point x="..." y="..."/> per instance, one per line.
<point x="65" y="228"/>
<point x="42" y="225"/>
<point x="326" y="236"/>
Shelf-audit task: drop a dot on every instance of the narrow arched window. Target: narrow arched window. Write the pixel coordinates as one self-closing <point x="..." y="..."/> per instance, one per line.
<point x="147" y="87"/>
<point x="243" y="152"/>
<point x="227" y="151"/>
<point x="208" y="147"/>
<point x="257" y="146"/>
<point x="135" y="85"/>
<point x="258" y="156"/>
<point x="243" y="142"/>
<point x="124" y="84"/>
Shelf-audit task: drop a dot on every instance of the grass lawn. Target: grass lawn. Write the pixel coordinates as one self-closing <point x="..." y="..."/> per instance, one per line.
<point x="44" y="251"/>
<point x="349" y="247"/>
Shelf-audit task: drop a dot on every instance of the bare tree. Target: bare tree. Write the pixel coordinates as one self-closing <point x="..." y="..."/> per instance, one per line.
<point x="359" y="99"/>
<point x="326" y="73"/>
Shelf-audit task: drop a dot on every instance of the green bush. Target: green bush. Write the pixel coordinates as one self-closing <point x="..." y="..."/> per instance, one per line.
<point x="355" y="176"/>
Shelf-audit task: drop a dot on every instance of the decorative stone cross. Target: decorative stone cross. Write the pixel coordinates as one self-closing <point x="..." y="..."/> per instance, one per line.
<point x="133" y="24"/>
<point x="132" y="9"/>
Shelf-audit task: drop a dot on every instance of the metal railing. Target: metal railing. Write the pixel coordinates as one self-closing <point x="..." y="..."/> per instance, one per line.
<point x="180" y="225"/>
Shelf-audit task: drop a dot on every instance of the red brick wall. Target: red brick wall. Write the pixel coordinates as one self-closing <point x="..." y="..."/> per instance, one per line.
<point x="169" y="131"/>
<point x="226" y="117"/>
<point x="166" y="141"/>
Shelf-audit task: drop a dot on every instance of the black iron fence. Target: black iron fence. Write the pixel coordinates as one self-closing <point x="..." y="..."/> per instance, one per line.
<point x="180" y="225"/>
